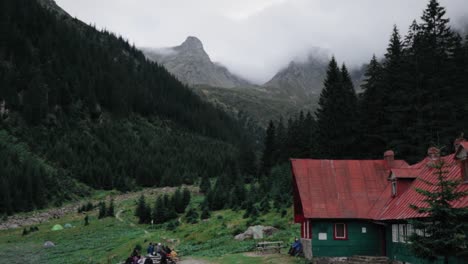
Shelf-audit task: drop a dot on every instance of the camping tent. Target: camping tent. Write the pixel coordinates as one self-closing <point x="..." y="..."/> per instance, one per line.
<point x="57" y="227"/>
<point x="67" y="225"/>
<point x="49" y="244"/>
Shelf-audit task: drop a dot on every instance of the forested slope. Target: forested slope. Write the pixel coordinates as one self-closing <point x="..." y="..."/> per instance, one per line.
<point x="88" y="107"/>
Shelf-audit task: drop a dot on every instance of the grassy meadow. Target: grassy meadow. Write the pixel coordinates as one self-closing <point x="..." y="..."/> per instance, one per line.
<point x="111" y="240"/>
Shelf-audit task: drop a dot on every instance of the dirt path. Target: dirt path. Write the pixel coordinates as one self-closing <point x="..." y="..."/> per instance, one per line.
<point x="193" y="261"/>
<point x="34" y="218"/>
<point x="117" y="216"/>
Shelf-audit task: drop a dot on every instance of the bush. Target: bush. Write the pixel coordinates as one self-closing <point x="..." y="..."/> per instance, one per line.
<point x="172" y="225"/>
<point x="192" y="216"/>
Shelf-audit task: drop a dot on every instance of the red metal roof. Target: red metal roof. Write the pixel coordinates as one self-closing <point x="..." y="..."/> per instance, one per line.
<point x="360" y="188"/>
<point x="405" y="172"/>
<point x="340" y="188"/>
<point x="398" y="207"/>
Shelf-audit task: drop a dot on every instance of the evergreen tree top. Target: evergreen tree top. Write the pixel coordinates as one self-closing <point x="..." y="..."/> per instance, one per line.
<point x="395" y="46"/>
<point x="433" y="15"/>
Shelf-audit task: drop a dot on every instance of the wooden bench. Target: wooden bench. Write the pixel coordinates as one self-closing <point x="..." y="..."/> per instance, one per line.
<point x="269" y="246"/>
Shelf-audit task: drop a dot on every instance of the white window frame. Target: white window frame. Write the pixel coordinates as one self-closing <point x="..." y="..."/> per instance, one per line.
<point x="409" y="231"/>
<point x="402" y="228"/>
<point x="395" y="233"/>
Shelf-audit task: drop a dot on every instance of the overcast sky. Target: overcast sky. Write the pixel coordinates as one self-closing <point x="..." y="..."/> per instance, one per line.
<point x="255" y="38"/>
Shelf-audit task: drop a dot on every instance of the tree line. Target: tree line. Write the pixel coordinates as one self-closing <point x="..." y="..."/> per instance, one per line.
<point x="165" y="207"/>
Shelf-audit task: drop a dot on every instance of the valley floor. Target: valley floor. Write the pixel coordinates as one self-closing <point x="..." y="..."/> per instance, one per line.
<point x="110" y="240"/>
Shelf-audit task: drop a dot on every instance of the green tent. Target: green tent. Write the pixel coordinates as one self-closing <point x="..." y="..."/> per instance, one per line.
<point x="57" y="227"/>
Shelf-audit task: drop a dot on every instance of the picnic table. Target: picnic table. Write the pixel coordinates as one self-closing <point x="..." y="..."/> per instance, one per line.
<point x="269" y="246"/>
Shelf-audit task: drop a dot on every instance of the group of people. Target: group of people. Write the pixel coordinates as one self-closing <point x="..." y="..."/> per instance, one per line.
<point x="164" y="252"/>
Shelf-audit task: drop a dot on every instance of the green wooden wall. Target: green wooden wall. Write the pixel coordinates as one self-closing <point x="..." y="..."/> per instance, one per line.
<point x="401" y="252"/>
<point x="358" y="243"/>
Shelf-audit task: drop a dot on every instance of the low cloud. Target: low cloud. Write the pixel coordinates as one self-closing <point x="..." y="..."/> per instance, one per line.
<point x="255" y="38"/>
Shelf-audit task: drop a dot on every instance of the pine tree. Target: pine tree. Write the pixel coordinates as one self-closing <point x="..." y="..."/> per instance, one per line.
<point x="281" y="142"/>
<point x="178" y="202"/>
<point x="434" y="57"/>
<point x="445" y="227"/>
<point x="337" y="105"/>
<point x="110" y="209"/>
<point x="268" y="149"/>
<point x="350" y="107"/>
<point x="371" y="110"/>
<point x="35" y="98"/>
<point x="192" y="216"/>
<point x="205" y="213"/>
<point x="102" y="210"/>
<point x="205" y="184"/>
<point x="142" y="211"/>
<point x="159" y="211"/>
<point x="309" y="128"/>
<point x="186" y="197"/>
<point x="400" y="98"/>
<point x="247" y="161"/>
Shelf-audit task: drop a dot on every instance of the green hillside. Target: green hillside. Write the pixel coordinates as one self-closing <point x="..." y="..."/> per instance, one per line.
<point x="111" y="240"/>
<point x="89" y="110"/>
<point x="256" y="105"/>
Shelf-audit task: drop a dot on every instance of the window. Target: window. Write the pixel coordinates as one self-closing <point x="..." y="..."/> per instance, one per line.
<point x="394" y="233"/>
<point x="402" y="233"/>
<point x="409" y="231"/>
<point x="394" y="188"/>
<point x="340" y="232"/>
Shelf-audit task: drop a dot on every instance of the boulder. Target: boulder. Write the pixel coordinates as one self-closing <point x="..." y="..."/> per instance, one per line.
<point x="256" y="232"/>
<point x="49" y="244"/>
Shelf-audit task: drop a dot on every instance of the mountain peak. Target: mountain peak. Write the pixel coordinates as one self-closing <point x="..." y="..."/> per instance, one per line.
<point x="192" y="43"/>
<point x="191" y="64"/>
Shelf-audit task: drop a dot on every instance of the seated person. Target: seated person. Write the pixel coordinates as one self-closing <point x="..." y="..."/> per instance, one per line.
<point x="173" y="255"/>
<point x="150" y="249"/>
<point x="160" y="250"/>
<point x="296" y="248"/>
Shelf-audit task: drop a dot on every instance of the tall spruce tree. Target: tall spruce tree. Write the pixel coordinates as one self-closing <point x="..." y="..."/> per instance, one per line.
<point x="434" y="55"/>
<point x="143" y="212"/>
<point x="445" y="227"/>
<point x="349" y="107"/>
<point x="110" y="210"/>
<point x="268" y="149"/>
<point x="399" y="94"/>
<point x="371" y="111"/>
<point x="337" y="105"/>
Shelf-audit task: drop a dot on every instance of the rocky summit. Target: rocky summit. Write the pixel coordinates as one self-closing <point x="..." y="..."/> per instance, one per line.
<point x="301" y="78"/>
<point x="191" y="64"/>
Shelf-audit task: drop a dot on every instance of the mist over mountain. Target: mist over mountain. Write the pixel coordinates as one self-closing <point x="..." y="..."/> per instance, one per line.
<point x="301" y="78"/>
<point x="191" y="64"/>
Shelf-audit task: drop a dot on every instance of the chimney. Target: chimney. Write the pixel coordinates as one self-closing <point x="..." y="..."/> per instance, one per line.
<point x="389" y="156"/>
<point x="457" y="141"/>
<point x="433" y="153"/>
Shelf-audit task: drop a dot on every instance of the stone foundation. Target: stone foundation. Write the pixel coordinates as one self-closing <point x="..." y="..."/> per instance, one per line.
<point x="307" y="248"/>
<point x="351" y="260"/>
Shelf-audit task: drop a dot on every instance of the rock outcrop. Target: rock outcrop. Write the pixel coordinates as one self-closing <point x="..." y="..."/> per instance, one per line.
<point x="256" y="232"/>
<point x="301" y="78"/>
<point x="191" y="64"/>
